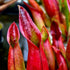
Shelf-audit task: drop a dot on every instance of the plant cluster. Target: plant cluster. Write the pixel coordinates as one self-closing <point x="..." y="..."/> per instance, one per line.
<point x="42" y="54"/>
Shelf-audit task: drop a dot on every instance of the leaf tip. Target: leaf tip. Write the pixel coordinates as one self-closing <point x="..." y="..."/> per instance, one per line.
<point x="13" y="34"/>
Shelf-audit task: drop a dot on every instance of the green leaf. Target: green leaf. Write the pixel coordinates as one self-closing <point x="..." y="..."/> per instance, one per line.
<point x="64" y="9"/>
<point x="60" y="4"/>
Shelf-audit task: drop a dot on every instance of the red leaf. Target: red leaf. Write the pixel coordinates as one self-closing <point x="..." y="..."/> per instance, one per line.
<point x="43" y="58"/>
<point x="68" y="3"/>
<point x="60" y="67"/>
<point x="49" y="54"/>
<point x="51" y="8"/>
<point x="60" y="58"/>
<point x="10" y="59"/>
<point x="15" y="56"/>
<point x="34" y="62"/>
<point x="13" y="34"/>
<point x="59" y="44"/>
<point x="36" y="57"/>
<point x="36" y="17"/>
<point x="56" y="4"/>
<point x="68" y="50"/>
<point x="57" y="39"/>
<point x="35" y="5"/>
<point x="55" y="31"/>
<point x="38" y="9"/>
<point x="68" y="53"/>
<point x="27" y="27"/>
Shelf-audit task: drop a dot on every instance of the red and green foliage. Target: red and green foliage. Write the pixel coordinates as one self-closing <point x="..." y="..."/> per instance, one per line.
<point x="15" y="57"/>
<point x="42" y="54"/>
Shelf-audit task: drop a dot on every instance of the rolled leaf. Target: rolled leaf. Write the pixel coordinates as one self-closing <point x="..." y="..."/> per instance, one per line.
<point x="35" y="5"/>
<point x="36" y="17"/>
<point x="30" y="30"/>
<point x="49" y="54"/>
<point x="13" y="34"/>
<point x="15" y="56"/>
<point x="45" y="36"/>
<point x="39" y="22"/>
<point x="36" y="57"/>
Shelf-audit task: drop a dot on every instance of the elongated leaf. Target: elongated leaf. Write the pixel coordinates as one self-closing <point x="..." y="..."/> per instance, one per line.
<point x="10" y="59"/>
<point x="65" y="12"/>
<point x="44" y="60"/>
<point x="60" y="67"/>
<point x="36" y="57"/>
<point x="44" y="33"/>
<point x="57" y="39"/>
<point x="39" y="22"/>
<point x="28" y="26"/>
<point x="49" y="54"/>
<point x="36" y="17"/>
<point x="59" y="44"/>
<point x="55" y="31"/>
<point x="15" y="59"/>
<point x="60" y="59"/>
<point x="67" y="53"/>
<point x="13" y="34"/>
<point x="69" y="30"/>
<point x="68" y="3"/>
<point x="34" y="62"/>
<point x="15" y="56"/>
<point x="64" y="5"/>
<point x="56" y="4"/>
<point x="34" y="4"/>
<point x="51" y="8"/>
